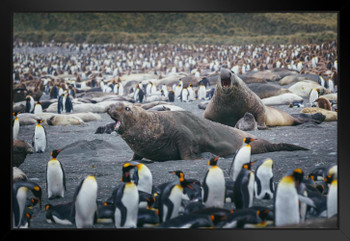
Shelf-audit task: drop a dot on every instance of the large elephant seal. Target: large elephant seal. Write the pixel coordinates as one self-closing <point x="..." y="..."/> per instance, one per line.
<point x="232" y="99"/>
<point x="174" y="135"/>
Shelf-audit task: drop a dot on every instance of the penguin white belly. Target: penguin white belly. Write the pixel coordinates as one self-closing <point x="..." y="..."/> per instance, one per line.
<point x="39" y="139"/>
<point x="61" y="221"/>
<point x="190" y="95"/>
<point x="121" y="91"/>
<point x="15" y="129"/>
<point x="130" y="200"/>
<point x="38" y="109"/>
<point x="216" y="187"/>
<point x="55" y="185"/>
<point x="332" y="201"/>
<point x="21" y="199"/>
<point x="286" y="206"/>
<point x="145" y="181"/>
<point x="85" y="204"/>
<point x="201" y="93"/>
<point x="243" y="156"/>
<point x="251" y="188"/>
<point x="175" y="197"/>
<point x="232" y="224"/>
<point x="264" y="174"/>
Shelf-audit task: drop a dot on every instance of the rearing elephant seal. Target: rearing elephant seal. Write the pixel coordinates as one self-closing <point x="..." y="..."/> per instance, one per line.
<point x="174" y="135"/>
<point x="232" y="99"/>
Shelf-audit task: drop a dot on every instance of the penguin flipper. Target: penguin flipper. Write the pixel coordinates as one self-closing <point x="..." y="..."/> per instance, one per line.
<point x="258" y="186"/>
<point x="233" y="159"/>
<point x="64" y="176"/>
<point x="135" y="177"/>
<point x="205" y="188"/>
<point x="118" y="204"/>
<point x="75" y="197"/>
<point x="170" y="207"/>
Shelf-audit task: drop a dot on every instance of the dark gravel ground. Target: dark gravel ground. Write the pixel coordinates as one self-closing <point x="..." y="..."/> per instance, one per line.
<point x="102" y="155"/>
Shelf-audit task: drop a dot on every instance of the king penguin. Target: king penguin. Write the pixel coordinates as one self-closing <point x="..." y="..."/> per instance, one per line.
<point x="243" y="189"/>
<point x="286" y="206"/>
<point x="59" y="214"/>
<point x="149" y="216"/>
<point x="30" y="104"/>
<point x="171" y="96"/>
<point x="332" y="199"/>
<point x="241" y="157"/>
<point x="126" y="201"/>
<point x="184" y="95"/>
<point x="19" y="197"/>
<point x="15" y="125"/>
<point x="202" y="92"/>
<point x="178" y="90"/>
<point x="214" y="185"/>
<point x="38" y="108"/>
<point x="313" y="96"/>
<point x="39" y="138"/>
<point x="264" y="186"/>
<point x="191" y="94"/>
<point x="55" y="177"/>
<point x="170" y="197"/>
<point x="142" y="177"/>
<point x="84" y="203"/>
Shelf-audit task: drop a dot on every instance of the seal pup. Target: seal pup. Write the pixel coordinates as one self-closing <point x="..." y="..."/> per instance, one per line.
<point x="247" y="123"/>
<point x="324" y="103"/>
<point x="175" y="135"/>
<point x="232" y="99"/>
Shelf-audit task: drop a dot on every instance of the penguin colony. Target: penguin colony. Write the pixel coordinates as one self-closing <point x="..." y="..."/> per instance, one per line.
<point x="183" y="202"/>
<point x="187" y="202"/>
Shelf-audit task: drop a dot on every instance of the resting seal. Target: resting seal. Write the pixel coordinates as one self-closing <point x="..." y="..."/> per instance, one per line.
<point x="247" y="123"/>
<point x="232" y="99"/>
<point x="170" y="135"/>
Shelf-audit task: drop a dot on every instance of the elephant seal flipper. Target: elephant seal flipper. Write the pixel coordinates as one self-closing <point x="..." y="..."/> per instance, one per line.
<point x="169" y="135"/>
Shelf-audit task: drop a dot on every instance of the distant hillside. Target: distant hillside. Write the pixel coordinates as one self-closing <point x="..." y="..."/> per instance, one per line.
<point x="212" y="28"/>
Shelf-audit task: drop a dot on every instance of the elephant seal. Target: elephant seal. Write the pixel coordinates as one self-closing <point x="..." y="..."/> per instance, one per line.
<point x="303" y="88"/>
<point x="202" y="105"/>
<point x="324" y="103"/>
<point x="283" y="99"/>
<point x="63" y="120"/>
<point x="330" y="115"/>
<point x="169" y="135"/>
<point x="267" y="90"/>
<point x="247" y="123"/>
<point x="232" y="99"/>
<point x="20" y="149"/>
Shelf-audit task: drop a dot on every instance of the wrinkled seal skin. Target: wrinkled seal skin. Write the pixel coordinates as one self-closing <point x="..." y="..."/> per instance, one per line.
<point x="171" y="135"/>
<point x="233" y="99"/>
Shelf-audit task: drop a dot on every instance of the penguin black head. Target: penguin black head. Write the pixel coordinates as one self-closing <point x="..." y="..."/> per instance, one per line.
<point x="298" y="175"/>
<point x="39" y="121"/>
<point x="150" y="201"/>
<point x="180" y="175"/>
<point x="37" y="193"/>
<point x="55" y="153"/>
<point x="213" y="161"/>
<point x="248" y="165"/>
<point x="183" y="181"/>
<point x="248" y="140"/>
<point x="126" y="172"/>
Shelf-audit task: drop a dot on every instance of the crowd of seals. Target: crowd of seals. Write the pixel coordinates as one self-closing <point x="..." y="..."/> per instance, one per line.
<point x="232" y="99"/>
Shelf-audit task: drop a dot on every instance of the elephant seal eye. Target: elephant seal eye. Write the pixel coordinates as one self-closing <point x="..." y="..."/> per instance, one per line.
<point x="127" y="108"/>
